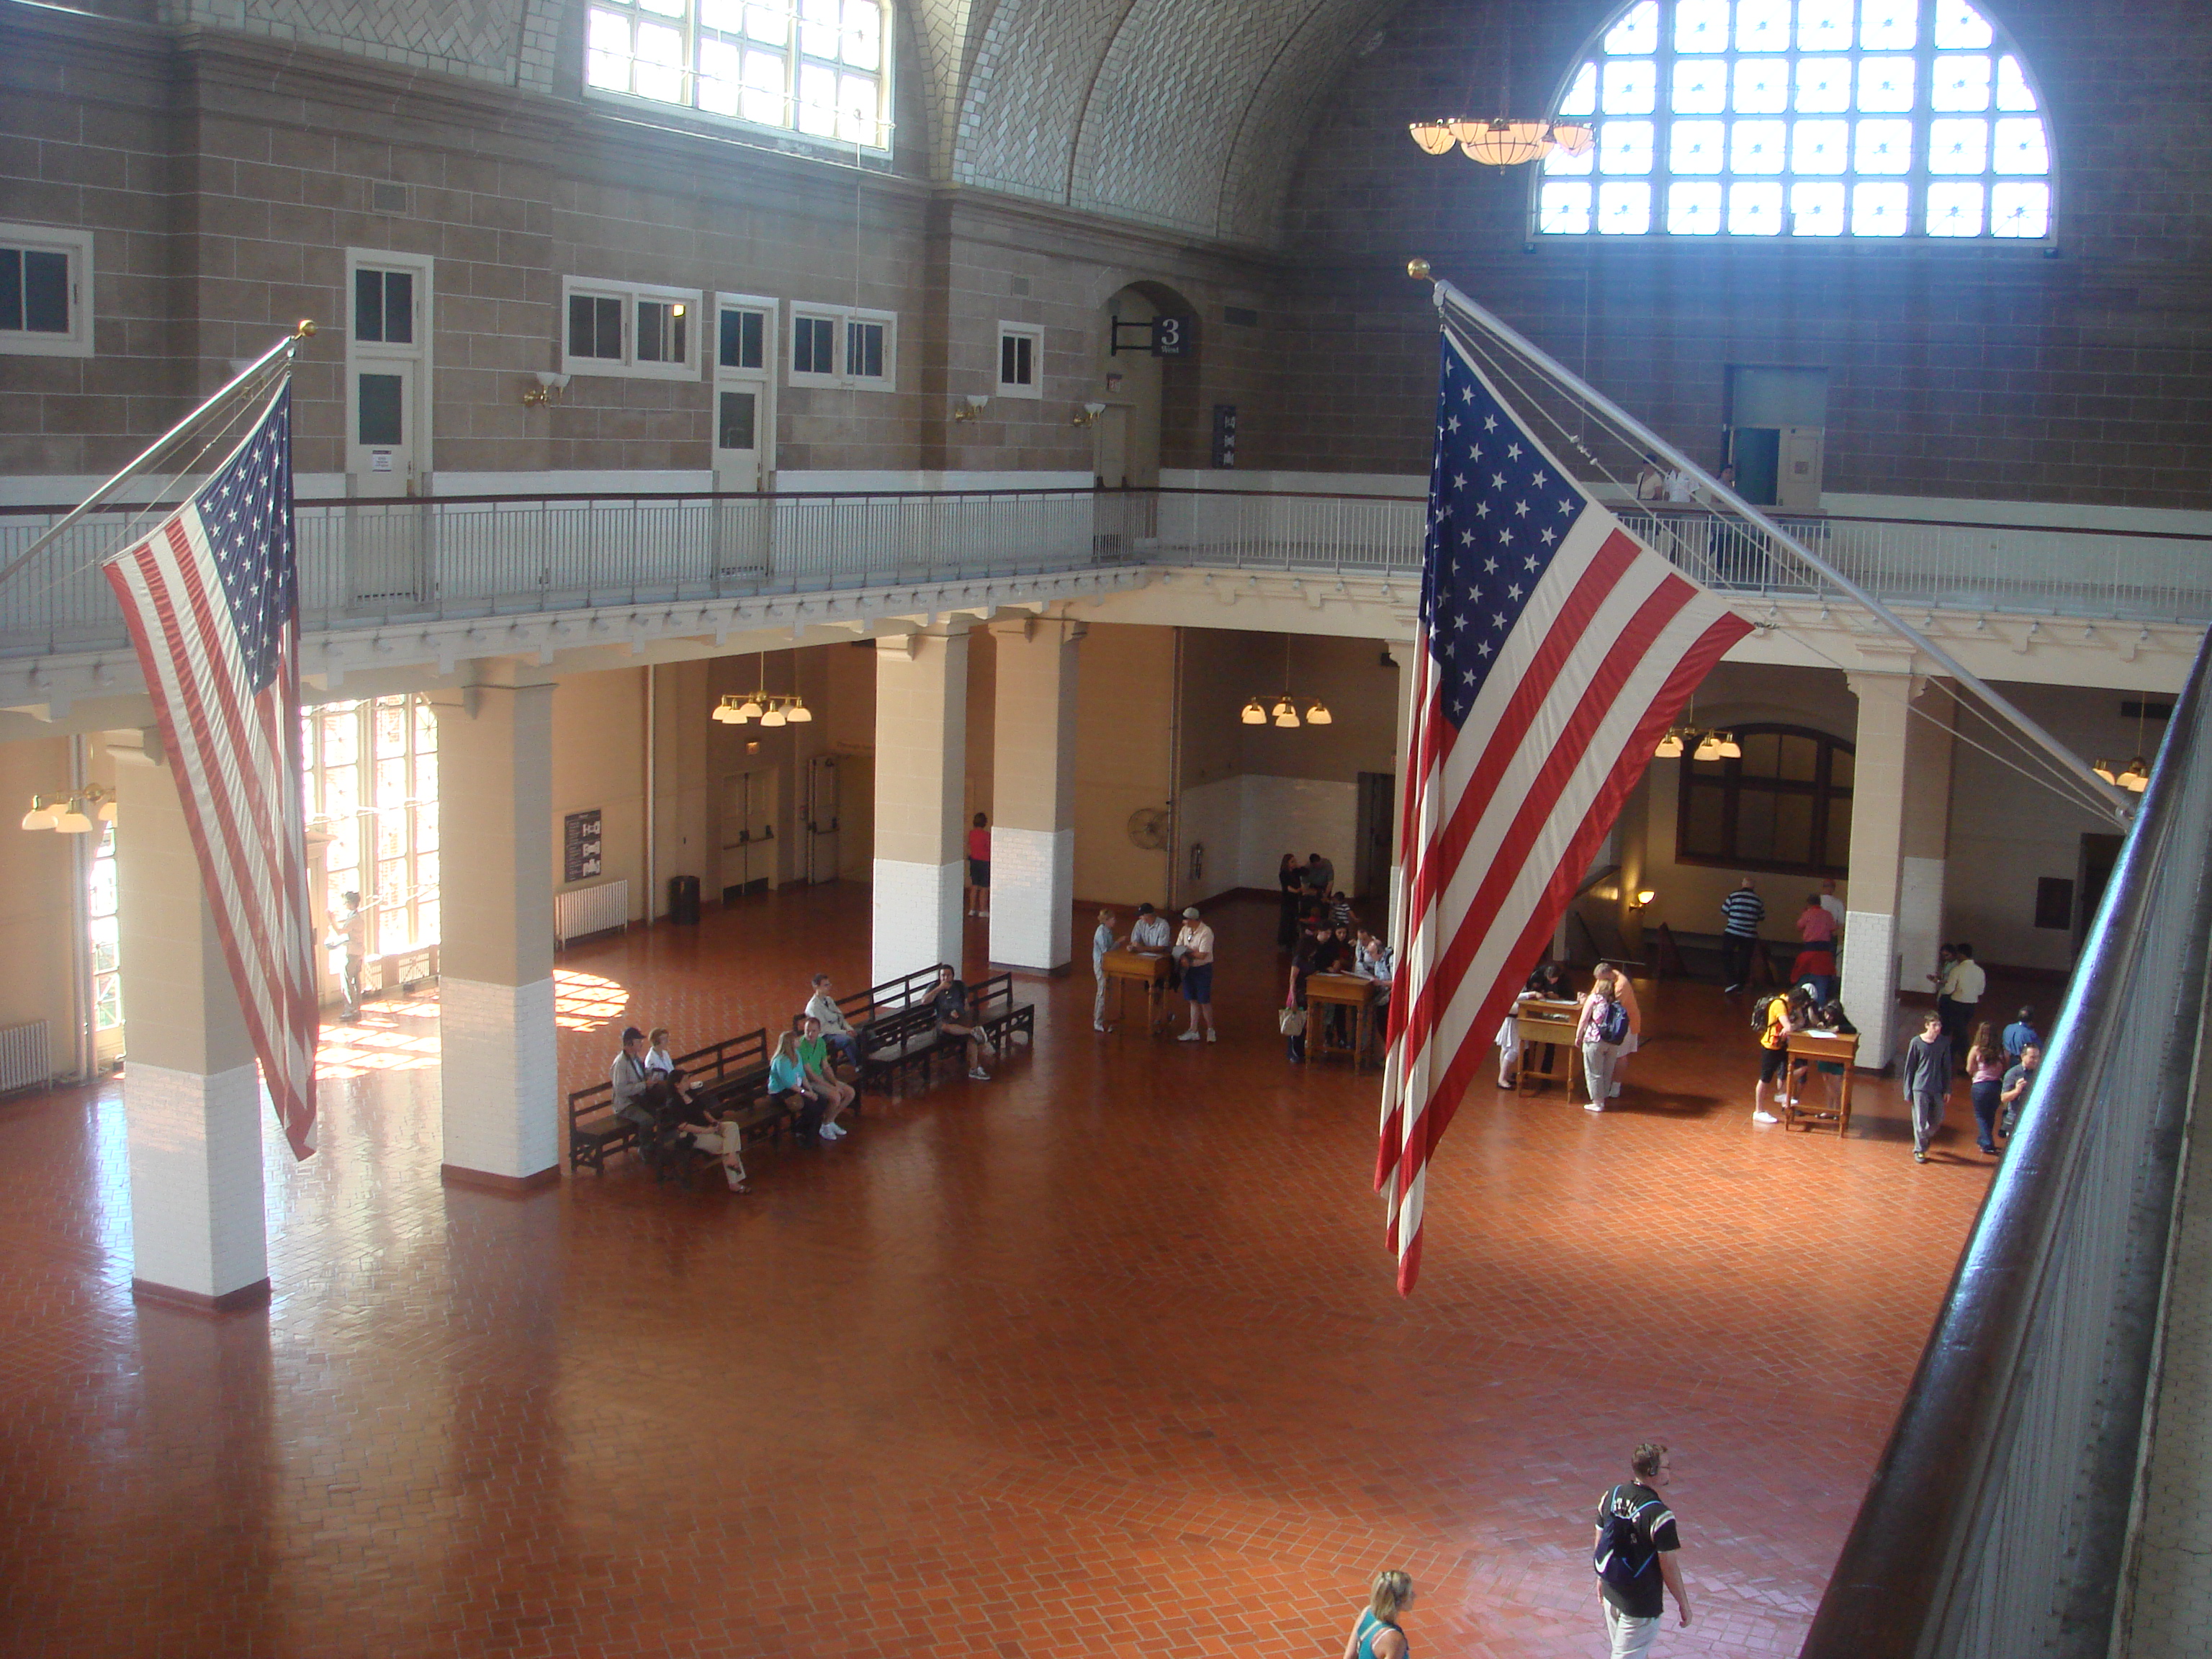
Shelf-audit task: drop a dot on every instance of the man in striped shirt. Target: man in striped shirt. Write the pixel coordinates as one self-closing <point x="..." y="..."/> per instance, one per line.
<point x="1741" y="912"/>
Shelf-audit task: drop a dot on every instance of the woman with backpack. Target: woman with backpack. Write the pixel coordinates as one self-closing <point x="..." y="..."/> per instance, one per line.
<point x="1376" y="1636"/>
<point x="1599" y="1033"/>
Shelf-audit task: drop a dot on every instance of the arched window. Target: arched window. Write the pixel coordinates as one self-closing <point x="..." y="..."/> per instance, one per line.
<point x="1801" y="119"/>
<point x="1784" y="805"/>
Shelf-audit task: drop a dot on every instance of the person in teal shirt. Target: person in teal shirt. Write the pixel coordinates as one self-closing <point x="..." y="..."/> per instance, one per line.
<point x="1376" y="1636"/>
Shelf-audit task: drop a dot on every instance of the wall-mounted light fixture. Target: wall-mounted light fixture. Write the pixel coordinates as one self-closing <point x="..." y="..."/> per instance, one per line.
<point x="548" y="390"/>
<point x="71" y="811"/>
<point x="1643" y="898"/>
<point x="1086" y="415"/>
<point x="976" y="402"/>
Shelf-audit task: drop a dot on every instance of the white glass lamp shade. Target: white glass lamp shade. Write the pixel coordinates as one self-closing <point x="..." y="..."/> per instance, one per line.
<point x="1729" y="748"/>
<point x="798" y="713"/>
<point x="2107" y="770"/>
<point x="1286" y="716"/>
<point x="750" y="709"/>
<point x="1709" y="748"/>
<point x="1253" y="714"/>
<point x="107" y="813"/>
<point x="1318" y="714"/>
<point x="774" y="717"/>
<point x="73" y="822"/>
<point x="2134" y="775"/>
<point x="1433" y="137"/>
<point x="1670" y="747"/>
<point x="1573" y="137"/>
<point x="1503" y="144"/>
<point x="41" y="816"/>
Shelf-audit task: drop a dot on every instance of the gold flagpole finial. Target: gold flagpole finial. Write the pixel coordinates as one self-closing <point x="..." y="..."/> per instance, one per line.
<point x="1418" y="270"/>
<point x="306" y="330"/>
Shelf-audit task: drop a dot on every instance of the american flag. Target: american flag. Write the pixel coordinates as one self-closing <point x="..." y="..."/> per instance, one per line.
<point x="212" y="600"/>
<point x="1555" y="651"/>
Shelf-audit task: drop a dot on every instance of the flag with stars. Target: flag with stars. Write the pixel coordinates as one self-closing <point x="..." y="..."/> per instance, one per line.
<point x="1555" y="651"/>
<point x="212" y="601"/>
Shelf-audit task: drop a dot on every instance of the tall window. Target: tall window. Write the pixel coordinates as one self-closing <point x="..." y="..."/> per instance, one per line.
<point x="373" y="789"/>
<point x="101" y="925"/>
<point x="1801" y="118"/>
<point x="1785" y="806"/>
<point x="819" y="67"/>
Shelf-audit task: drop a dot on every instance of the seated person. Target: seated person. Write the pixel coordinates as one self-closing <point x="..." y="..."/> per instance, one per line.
<point x="638" y="1091"/>
<point x="1371" y="958"/>
<point x="658" y="1062"/>
<point x="1339" y="914"/>
<point x="955" y="1018"/>
<point x="1152" y="932"/>
<point x="723" y="1140"/>
<point x="814" y="1062"/>
<point x="836" y="1030"/>
<point x="787" y="1079"/>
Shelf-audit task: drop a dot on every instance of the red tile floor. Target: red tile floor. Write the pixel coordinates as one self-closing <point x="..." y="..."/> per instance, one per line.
<point x="1101" y="1356"/>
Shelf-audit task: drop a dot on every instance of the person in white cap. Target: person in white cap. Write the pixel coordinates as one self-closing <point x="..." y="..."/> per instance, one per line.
<point x="1195" y="945"/>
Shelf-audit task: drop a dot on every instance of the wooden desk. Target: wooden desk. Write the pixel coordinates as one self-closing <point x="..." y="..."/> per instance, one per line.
<point x="1350" y="991"/>
<point x="1545" y="1023"/>
<point x="1146" y="968"/>
<point x="1832" y="1047"/>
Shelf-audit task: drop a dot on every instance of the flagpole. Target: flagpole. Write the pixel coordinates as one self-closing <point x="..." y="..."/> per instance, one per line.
<point x="1447" y="297"/>
<point x="285" y="347"/>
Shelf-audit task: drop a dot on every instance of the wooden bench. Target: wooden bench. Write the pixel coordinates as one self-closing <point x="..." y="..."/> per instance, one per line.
<point x="901" y="1039"/>
<point x="732" y="1079"/>
<point x="594" y="1130"/>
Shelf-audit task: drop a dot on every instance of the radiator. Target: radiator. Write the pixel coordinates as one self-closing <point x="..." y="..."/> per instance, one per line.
<point x="25" y="1062"/>
<point x="584" y="910"/>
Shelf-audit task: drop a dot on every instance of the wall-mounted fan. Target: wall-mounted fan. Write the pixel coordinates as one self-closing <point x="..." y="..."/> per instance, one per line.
<point x="1148" y="827"/>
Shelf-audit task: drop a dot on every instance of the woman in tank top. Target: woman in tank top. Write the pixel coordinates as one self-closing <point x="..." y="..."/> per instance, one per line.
<point x="1986" y="1066"/>
<point x="1376" y="1636"/>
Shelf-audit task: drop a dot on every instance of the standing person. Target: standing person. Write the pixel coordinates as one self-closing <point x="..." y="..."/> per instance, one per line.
<point x="1313" y="950"/>
<point x="1650" y="480"/>
<point x="1291" y="880"/>
<point x="2022" y="1036"/>
<point x="1816" y="961"/>
<point x="1985" y="1070"/>
<point x="1961" y="990"/>
<point x="1927" y="1080"/>
<point x="1741" y="912"/>
<point x="1638" y="1539"/>
<point x="836" y="1030"/>
<point x="1195" y="945"/>
<point x="1102" y="941"/>
<point x="1376" y="1635"/>
<point x="1834" y="905"/>
<point x="979" y="867"/>
<point x="956" y="1018"/>
<point x="1624" y="992"/>
<point x="1782" y="1015"/>
<point x="349" y="949"/>
<point x="1320" y="875"/>
<point x="1599" y="1031"/>
<point x="2018" y="1083"/>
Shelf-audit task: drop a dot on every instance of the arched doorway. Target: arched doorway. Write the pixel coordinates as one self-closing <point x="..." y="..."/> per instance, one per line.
<point x="1145" y="393"/>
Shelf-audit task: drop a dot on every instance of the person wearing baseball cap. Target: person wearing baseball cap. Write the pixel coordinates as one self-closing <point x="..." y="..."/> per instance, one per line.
<point x="631" y="1080"/>
<point x="1194" y="945"/>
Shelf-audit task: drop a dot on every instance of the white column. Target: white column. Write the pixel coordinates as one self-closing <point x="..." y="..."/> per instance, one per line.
<point x="921" y="753"/>
<point x="191" y="1092"/>
<point x="1404" y="651"/>
<point x="498" y="1086"/>
<point x="1033" y="788"/>
<point x="1900" y="826"/>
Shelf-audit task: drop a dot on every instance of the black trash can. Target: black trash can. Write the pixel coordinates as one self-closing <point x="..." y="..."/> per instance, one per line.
<point x="683" y="900"/>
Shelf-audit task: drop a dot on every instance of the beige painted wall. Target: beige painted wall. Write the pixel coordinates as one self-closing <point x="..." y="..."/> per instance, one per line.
<point x="1124" y="706"/>
<point x="38" y="914"/>
<point x="598" y="761"/>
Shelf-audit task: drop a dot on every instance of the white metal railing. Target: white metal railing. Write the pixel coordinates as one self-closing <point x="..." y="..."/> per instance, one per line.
<point x="363" y="563"/>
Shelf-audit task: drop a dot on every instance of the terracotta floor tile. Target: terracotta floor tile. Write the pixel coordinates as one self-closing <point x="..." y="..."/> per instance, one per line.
<point x="1036" y="1366"/>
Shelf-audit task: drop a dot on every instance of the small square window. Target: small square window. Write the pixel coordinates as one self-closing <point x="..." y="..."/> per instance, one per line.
<point x="1883" y="147"/>
<point x="1824" y="25"/>
<point x="1960" y="144"/>
<point x="1695" y="146"/>
<point x="45" y="292"/>
<point x="2020" y="209"/>
<point x="1630" y="89"/>
<point x="1755" y="210"/>
<point x="1820" y="147"/>
<point x="744" y="342"/>
<point x="1958" y="24"/>
<point x="662" y="326"/>
<point x="1701" y="86"/>
<point x="1824" y="85"/>
<point x="2014" y="94"/>
<point x="1020" y="365"/>
<point x="595" y="327"/>
<point x="813" y="345"/>
<point x="1880" y="210"/>
<point x="1762" y="86"/>
<point x="1885" y="85"/>
<point x="1762" y="25"/>
<point x="2022" y="147"/>
<point x="1625" y="147"/>
<point x="1954" y="209"/>
<point x="864" y="351"/>
<point x="1759" y="146"/>
<point x="1701" y="25"/>
<point x="1624" y="209"/>
<point x="1564" y="209"/>
<point x="1693" y="210"/>
<point x="1564" y="164"/>
<point x="1959" y="83"/>
<point x="1890" y="25"/>
<point x="1816" y="209"/>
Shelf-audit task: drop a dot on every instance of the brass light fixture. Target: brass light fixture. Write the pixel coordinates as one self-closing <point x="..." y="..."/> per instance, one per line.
<point x="768" y="707"/>
<point x="72" y="812"/>
<point x="2135" y="776"/>
<point x="1502" y="141"/>
<point x="1283" y="711"/>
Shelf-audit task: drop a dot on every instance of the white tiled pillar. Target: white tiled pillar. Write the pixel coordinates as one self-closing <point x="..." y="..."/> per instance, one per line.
<point x="1901" y="830"/>
<point x="497" y="1083"/>
<point x="921" y="754"/>
<point x="1033" y="788"/>
<point x="192" y="1093"/>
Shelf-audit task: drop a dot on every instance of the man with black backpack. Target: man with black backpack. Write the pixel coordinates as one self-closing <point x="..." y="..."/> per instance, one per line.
<point x="1634" y="1557"/>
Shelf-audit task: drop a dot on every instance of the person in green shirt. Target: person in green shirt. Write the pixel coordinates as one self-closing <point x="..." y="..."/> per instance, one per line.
<point x="814" y="1062"/>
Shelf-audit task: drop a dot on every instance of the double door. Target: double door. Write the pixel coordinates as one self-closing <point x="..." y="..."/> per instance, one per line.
<point x="749" y="843"/>
<point x="822" y="808"/>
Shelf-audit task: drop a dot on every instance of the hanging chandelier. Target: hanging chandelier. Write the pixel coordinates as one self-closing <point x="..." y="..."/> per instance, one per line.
<point x="1502" y="141"/>
<point x="1704" y="745"/>
<point x="2135" y="776"/>
<point x="768" y="707"/>
<point x="1283" y="711"/>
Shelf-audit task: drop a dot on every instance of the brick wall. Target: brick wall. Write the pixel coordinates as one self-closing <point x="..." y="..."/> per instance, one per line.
<point x="1954" y="370"/>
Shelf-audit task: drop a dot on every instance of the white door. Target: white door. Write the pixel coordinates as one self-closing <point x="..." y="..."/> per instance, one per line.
<point x="748" y="863"/>
<point x="822" y="818"/>
<point x="1111" y="436"/>
<point x="1799" y="483"/>
<point x="381" y="448"/>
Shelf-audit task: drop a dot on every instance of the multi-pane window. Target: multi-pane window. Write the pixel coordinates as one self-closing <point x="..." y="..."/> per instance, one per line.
<point x="384" y="306"/>
<point x="1784" y="804"/>
<point x="819" y="67"/>
<point x="45" y="291"/>
<point x="372" y="787"/>
<point x="103" y="930"/>
<point x="1801" y="118"/>
<point x="628" y="328"/>
<point x="1019" y="350"/>
<point x="843" y="345"/>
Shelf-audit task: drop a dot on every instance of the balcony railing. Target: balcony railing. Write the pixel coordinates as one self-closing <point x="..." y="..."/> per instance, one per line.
<point x="363" y="563"/>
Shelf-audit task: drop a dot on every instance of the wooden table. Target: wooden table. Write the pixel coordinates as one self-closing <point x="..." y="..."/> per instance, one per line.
<point x="1830" y="1046"/>
<point x="1352" y="991"/>
<point x="1543" y="1023"/>
<point x="1146" y="968"/>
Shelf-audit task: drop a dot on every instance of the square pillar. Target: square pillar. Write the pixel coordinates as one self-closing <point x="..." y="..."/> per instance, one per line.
<point x="1405" y="651"/>
<point x="192" y="1091"/>
<point x="921" y="758"/>
<point x="1033" y="772"/>
<point x="1901" y="830"/>
<point x="498" y="1084"/>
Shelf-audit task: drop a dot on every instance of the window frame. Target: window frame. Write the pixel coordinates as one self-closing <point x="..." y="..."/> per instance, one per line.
<point x="795" y="58"/>
<point x="841" y="376"/>
<point x="1034" y="334"/>
<point x="1822" y="791"/>
<point x="76" y="246"/>
<point x="629" y="366"/>
<point x="1915" y="180"/>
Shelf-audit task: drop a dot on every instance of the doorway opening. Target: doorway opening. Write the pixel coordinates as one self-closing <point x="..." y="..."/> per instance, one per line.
<point x="748" y="860"/>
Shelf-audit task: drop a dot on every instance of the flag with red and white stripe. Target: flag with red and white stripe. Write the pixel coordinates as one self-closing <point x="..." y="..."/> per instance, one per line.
<point x="212" y="601"/>
<point x="1555" y="651"/>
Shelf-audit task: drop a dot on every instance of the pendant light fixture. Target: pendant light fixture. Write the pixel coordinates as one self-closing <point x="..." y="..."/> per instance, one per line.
<point x="1283" y="711"/>
<point x="768" y="707"/>
<point x="2135" y="776"/>
<point x="1502" y="141"/>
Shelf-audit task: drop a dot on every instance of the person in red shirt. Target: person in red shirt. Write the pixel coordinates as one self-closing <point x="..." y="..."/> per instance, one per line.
<point x="1816" y="961"/>
<point x="979" y="868"/>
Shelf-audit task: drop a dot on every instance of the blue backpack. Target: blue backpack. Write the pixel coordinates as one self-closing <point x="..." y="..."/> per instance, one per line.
<point x="1613" y="1025"/>
<point x="1614" y="1561"/>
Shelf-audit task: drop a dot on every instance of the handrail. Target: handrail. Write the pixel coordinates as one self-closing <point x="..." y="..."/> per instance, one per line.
<point x="1996" y="1522"/>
